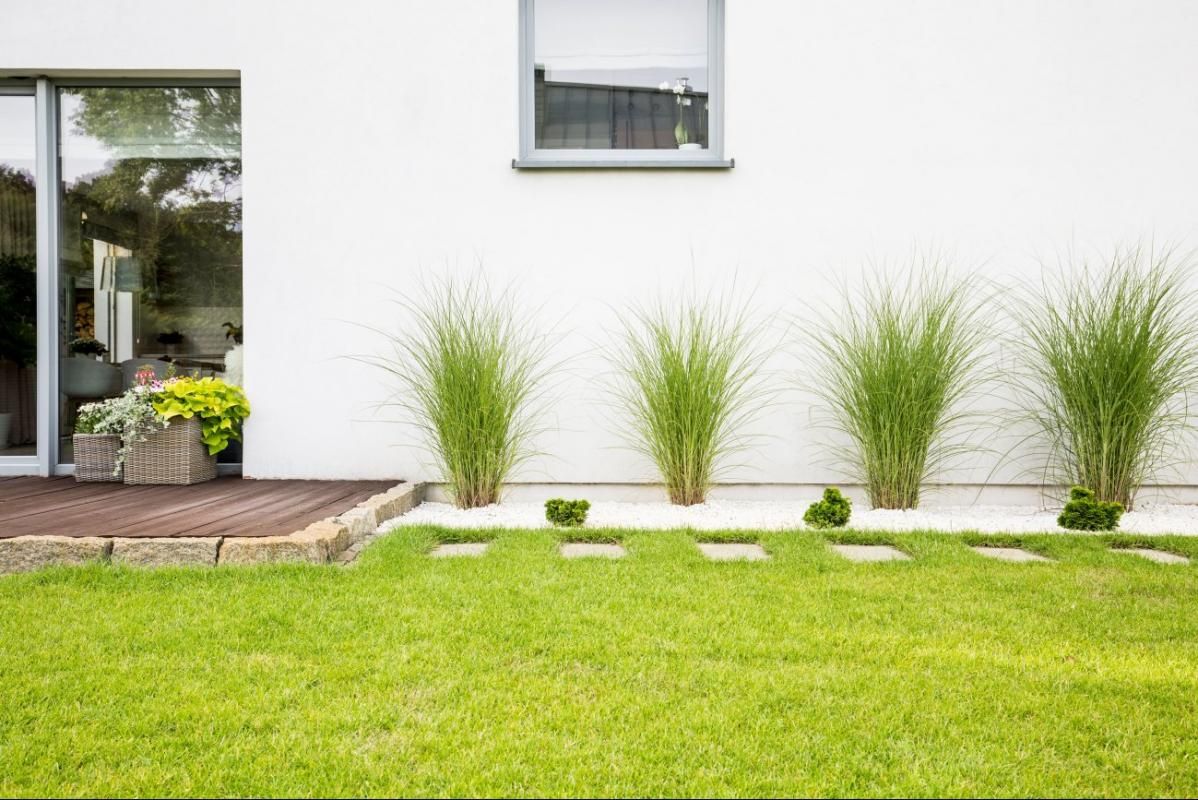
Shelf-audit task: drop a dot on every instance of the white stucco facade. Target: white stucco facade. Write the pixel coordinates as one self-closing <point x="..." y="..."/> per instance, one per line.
<point x="378" y="140"/>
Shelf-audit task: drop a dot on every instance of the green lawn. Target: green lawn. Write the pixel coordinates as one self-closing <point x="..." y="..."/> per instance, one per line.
<point x="520" y="673"/>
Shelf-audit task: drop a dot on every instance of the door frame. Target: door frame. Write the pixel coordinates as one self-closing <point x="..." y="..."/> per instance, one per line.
<point x="36" y="464"/>
<point x="44" y="90"/>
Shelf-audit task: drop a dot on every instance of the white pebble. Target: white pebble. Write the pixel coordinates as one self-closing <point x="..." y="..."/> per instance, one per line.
<point x="756" y="515"/>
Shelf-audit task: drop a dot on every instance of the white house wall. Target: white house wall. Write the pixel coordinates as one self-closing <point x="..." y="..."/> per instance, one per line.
<point x="378" y="140"/>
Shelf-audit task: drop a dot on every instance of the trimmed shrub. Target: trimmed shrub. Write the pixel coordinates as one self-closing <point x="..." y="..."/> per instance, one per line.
<point x="1084" y="512"/>
<point x="1109" y="365"/>
<point x="833" y="511"/>
<point x="567" y="513"/>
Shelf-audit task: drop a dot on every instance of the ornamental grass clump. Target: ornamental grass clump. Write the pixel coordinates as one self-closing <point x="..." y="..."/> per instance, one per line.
<point x="1109" y="361"/>
<point x="894" y="372"/>
<point x="471" y="374"/>
<point x="689" y="383"/>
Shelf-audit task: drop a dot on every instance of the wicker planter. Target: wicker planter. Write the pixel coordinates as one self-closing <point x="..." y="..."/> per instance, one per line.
<point x="175" y="455"/>
<point x="95" y="457"/>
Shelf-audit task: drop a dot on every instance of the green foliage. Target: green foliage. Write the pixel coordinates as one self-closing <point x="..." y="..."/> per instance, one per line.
<point x="18" y="307"/>
<point x="130" y="416"/>
<point x="833" y="511"/>
<point x="688" y="381"/>
<point x="221" y="407"/>
<point x="89" y="418"/>
<point x="893" y="371"/>
<point x="1109" y="360"/>
<point x="567" y="513"/>
<point x="1084" y="512"/>
<point x="471" y="378"/>
<point x="675" y="675"/>
<point x="171" y="189"/>
<point x="87" y="346"/>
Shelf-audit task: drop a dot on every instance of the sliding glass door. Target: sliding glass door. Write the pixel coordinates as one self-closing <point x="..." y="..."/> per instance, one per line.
<point x="18" y="278"/>
<point x="149" y="253"/>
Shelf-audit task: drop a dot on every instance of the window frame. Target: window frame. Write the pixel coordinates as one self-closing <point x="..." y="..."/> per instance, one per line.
<point x="532" y="157"/>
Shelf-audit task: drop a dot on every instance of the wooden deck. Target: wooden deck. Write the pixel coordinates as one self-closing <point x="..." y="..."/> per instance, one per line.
<point x="224" y="507"/>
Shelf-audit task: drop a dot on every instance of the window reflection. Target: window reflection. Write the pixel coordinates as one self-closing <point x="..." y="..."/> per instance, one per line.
<point x="621" y="74"/>
<point x="151" y="237"/>
<point x="18" y="279"/>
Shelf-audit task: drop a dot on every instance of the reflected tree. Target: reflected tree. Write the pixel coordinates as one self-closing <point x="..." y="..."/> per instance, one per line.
<point x="171" y="192"/>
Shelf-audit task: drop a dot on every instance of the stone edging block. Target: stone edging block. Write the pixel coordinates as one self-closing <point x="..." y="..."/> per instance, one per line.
<point x="324" y="541"/>
<point x="166" y="551"/>
<point x="25" y="553"/>
<point x="392" y="503"/>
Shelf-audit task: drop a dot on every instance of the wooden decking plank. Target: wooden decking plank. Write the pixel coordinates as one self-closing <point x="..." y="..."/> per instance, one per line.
<point x="226" y="506"/>
<point x="87" y="494"/>
<point x="283" y="518"/>
<point x="24" y="486"/>
<point x="89" y="518"/>
<point x="216" y="520"/>
<point x="221" y="491"/>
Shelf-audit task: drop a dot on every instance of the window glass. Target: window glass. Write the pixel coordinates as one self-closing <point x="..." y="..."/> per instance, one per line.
<point x="621" y="74"/>
<point x="150" y="267"/>
<point x="18" y="279"/>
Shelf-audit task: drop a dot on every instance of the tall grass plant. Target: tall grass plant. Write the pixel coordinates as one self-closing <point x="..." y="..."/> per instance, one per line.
<point x="894" y="370"/>
<point x="690" y="381"/>
<point x="472" y="377"/>
<point x="1109" y="365"/>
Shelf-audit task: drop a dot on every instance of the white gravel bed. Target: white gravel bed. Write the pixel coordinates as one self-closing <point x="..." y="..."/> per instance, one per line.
<point x="756" y="515"/>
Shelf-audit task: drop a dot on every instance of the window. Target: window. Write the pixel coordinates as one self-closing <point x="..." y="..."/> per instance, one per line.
<point x="18" y="278"/>
<point x="621" y="83"/>
<point x="150" y="242"/>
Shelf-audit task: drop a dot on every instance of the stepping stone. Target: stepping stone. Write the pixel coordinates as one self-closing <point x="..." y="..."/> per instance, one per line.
<point x="733" y="552"/>
<point x="870" y="552"/>
<point x="592" y="550"/>
<point x="1010" y="554"/>
<point x="460" y="549"/>
<point x="1159" y="556"/>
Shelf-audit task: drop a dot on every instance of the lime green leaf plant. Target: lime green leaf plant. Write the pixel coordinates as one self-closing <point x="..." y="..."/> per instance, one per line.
<point x="221" y="407"/>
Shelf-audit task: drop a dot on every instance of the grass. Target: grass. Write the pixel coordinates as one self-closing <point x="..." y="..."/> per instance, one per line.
<point x="471" y="377"/>
<point x="689" y="378"/>
<point x="1110" y="360"/>
<point x="892" y="371"/>
<point x="521" y="673"/>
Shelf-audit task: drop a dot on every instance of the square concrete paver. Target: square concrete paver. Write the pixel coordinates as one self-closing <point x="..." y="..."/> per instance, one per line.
<point x="733" y="552"/>
<point x="870" y="552"/>
<point x="592" y="550"/>
<point x="1159" y="556"/>
<point x="460" y="549"/>
<point x="1010" y="554"/>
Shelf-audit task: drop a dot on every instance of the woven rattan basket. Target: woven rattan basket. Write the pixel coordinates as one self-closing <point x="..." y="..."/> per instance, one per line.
<point x="95" y="457"/>
<point x="175" y="455"/>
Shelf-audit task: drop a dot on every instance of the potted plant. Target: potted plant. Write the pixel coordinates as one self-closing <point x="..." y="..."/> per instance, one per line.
<point x="18" y="331"/>
<point x="169" y="339"/>
<point x="681" y="90"/>
<point x="84" y="375"/>
<point x="198" y="418"/>
<point x="100" y="431"/>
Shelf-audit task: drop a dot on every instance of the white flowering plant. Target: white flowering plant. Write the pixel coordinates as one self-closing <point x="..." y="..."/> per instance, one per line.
<point x="681" y="89"/>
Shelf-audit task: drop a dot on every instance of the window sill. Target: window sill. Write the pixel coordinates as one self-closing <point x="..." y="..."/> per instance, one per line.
<point x="611" y="163"/>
